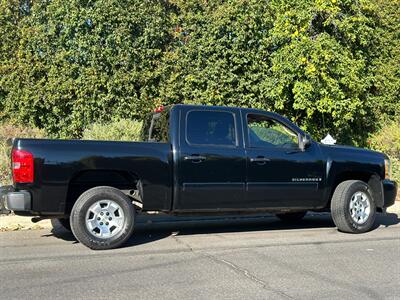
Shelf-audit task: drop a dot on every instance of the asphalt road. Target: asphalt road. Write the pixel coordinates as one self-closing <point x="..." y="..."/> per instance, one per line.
<point x="247" y="258"/>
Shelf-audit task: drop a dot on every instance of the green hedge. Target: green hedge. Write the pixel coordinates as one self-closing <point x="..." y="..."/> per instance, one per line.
<point x="329" y="65"/>
<point x="118" y="130"/>
<point x="387" y="140"/>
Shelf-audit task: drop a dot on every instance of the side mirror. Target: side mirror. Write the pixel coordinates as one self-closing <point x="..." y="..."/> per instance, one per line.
<point x="304" y="141"/>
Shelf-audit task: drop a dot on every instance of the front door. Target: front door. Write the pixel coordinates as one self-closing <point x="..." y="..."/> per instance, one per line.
<point x="279" y="174"/>
<point x="212" y="163"/>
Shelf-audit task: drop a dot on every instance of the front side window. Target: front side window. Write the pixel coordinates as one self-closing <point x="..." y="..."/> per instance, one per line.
<point x="210" y="128"/>
<point x="265" y="132"/>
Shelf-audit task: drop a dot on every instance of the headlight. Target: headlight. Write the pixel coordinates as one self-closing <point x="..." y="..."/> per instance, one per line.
<point x="388" y="169"/>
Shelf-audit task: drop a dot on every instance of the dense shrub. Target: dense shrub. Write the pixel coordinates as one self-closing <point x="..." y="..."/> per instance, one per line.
<point x="329" y="65"/>
<point x="317" y="62"/>
<point x="387" y="140"/>
<point x="8" y="131"/>
<point x="117" y="130"/>
<point x="72" y="63"/>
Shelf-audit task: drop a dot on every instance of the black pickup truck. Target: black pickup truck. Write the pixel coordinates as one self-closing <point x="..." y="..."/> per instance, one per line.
<point x="196" y="159"/>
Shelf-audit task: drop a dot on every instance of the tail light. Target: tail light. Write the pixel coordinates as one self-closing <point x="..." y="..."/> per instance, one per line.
<point x="22" y="166"/>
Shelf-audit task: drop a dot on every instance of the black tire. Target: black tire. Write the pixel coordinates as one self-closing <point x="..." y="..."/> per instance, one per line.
<point x="80" y="211"/>
<point x="292" y="217"/>
<point x="64" y="222"/>
<point x="340" y="207"/>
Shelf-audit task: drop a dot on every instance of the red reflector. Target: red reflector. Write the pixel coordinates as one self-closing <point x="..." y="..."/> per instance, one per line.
<point x="22" y="166"/>
<point x="159" y="109"/>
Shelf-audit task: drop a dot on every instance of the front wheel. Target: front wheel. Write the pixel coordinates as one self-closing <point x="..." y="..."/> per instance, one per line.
<point x="353" y="207"/>
<point x="102" y="218"/>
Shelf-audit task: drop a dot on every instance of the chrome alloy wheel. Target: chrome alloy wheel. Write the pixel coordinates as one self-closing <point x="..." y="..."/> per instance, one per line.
<point x="360" y="207"/>
<point x="104" y="219"/>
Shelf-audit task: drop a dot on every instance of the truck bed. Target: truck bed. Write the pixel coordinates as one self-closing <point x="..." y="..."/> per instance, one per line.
<point x="64" y="168"/>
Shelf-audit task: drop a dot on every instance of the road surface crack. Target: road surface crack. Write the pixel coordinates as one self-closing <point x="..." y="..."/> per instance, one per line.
<point x="239" y="270"/>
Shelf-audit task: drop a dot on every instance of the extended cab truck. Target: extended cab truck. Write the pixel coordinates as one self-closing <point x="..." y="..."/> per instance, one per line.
<point x="196" y="159"/>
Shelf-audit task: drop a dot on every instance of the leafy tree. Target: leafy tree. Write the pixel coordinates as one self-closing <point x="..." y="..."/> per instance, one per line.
<point x="329" y="65"/>
<point x="309" y="60"/>
<point x="85" y="61"/>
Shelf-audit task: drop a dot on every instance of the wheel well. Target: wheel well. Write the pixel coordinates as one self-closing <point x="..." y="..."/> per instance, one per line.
<point x="86" y="180"/>
<point x="373" y="180"/>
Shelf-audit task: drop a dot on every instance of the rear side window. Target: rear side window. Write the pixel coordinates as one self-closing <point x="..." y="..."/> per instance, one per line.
<point x="210" y="128"/>
<point x="156" y="128"/>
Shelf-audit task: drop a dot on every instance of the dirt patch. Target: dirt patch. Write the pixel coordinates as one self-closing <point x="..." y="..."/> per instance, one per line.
<point x="13" y="223"/>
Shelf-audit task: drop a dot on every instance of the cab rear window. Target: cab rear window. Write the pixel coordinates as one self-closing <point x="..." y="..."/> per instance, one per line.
<point x="156" y="127"/>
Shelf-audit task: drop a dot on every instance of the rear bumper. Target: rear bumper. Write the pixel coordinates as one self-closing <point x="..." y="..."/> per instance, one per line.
<point x="389" y="192"/>
<point x="18" y="201"/>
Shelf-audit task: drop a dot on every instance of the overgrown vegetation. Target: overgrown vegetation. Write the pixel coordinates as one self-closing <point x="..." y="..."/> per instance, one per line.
<point x="329" y="65"/>
<point x="387" y="140"/>
<point x="118" y="130"/>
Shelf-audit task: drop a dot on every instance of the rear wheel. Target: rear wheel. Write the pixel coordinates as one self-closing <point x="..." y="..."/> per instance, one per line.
<point x="353" y="207"/>
<point x="292" y="217"/>
<point x="102" y="218"/>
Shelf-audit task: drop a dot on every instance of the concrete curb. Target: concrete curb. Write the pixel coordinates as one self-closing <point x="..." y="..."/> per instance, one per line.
<point x="12" y="223"/>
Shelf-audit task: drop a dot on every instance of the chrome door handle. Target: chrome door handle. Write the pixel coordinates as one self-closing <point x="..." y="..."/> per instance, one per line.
<point x="259" y="159"/>
<point x="195" y="157"/>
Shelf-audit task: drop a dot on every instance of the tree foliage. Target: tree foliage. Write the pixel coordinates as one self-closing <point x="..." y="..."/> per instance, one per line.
<point x="80" y="62"/>
<point x="387" y="140"/>
<point x="329" y="65"/>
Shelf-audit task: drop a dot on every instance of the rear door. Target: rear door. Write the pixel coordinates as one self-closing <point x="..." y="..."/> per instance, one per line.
<point x="211" y="163"/>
